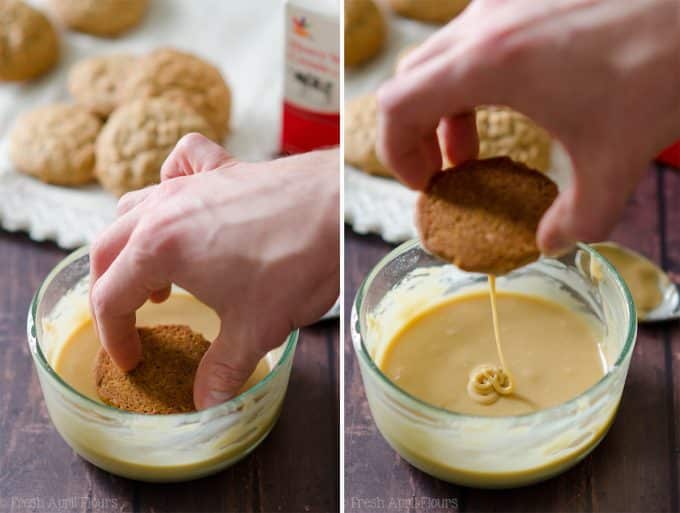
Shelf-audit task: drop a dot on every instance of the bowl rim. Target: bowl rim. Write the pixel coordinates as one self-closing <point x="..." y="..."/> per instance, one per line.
<point x="361" y="350"/>
<point x="38" y="356"/>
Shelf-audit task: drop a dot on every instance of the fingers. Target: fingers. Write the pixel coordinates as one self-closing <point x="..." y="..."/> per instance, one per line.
<point x="131" y="199"/>
<point x="160" y="296"/>
<point x="116" y="295"/>
<point x="412" y="105"/>
<point x="459" y="137"/>
<point x="195" y="153"/>
<point x="224" y="369"/>
<point x="434" y="45"/>
<point x="106" y="247"/>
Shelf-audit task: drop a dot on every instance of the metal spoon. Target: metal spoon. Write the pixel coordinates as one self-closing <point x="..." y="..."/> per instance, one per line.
<point x="669" y="306"/>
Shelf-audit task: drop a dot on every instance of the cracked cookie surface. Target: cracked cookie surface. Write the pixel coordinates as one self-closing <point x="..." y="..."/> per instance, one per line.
<point x="137" y="139"/>
<point x="186" y="79"/>
<point x="55" y="144"/>
<point x="95" y="83"/>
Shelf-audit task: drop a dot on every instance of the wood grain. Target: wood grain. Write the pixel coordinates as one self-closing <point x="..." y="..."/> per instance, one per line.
<point x="634" y="469"/>
<point x="295" y="469"/>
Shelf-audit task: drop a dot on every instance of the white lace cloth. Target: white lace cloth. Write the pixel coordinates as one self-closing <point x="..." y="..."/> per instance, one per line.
<point x="238" y="37"/>
<point x="381" y="205"/>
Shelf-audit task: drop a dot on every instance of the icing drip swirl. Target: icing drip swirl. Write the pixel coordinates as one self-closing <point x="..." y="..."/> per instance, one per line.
<point x="488" y="382"/>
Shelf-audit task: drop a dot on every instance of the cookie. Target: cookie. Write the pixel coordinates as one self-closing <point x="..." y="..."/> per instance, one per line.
<point x="138" y="137"/>
<point x="430" y="11"/>
<point x="483" y="214"/>
<point x="55" y="144"/>
<point x="505" y="132"/>
<point x="29" y="45"/>
<point x="95" y="83"/>
<point x="163" y="381"/>
<point x="186" y="79"/>
<point x="361" y="117"/>
<point x="100" y="17"/>
<point x="365" y="31"/>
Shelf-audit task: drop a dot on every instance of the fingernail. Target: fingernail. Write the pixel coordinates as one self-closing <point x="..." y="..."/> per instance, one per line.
<point x="216" y="397"/>
<point x="559" y="248"/>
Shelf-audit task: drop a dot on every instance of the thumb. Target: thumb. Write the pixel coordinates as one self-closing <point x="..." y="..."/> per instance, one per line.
<point x="193" y="154"/>
<point x="588" y="210"/>
<point x="224" y="369"/>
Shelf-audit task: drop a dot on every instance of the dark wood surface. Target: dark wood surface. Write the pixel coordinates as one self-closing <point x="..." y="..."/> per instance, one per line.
<point x="634" y="469"/>
<point x="295" y="469"/>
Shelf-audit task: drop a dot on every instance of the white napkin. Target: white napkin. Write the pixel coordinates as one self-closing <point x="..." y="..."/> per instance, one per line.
<point x="243" y="39"/>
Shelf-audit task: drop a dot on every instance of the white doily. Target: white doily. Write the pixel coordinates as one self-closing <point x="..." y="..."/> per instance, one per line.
<point x="383" y="206"/>
<point x="243" y="39"/>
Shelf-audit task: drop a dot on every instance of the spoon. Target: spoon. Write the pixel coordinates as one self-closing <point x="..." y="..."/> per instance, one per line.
<point x="656" y="296"/>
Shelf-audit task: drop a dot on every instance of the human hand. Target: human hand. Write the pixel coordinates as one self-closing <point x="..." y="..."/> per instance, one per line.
<point x="603" y="77"/>
<point x="256" y="242"/>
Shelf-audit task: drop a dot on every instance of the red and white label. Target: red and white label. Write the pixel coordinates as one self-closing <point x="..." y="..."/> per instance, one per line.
<point x="311" y="106"/>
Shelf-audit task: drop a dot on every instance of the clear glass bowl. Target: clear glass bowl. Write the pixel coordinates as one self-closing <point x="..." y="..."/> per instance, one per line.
<point x="492" y="452"/>
<point x="148" y="447"/>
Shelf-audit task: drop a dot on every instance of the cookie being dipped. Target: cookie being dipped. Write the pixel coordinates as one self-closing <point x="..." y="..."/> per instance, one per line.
<point x="482" y="215"/>
<point x="163" y="381"/>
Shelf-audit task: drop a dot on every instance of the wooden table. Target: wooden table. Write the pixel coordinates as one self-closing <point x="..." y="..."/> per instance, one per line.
<point x="634" y="469"/>
<point x="295" y="469"/>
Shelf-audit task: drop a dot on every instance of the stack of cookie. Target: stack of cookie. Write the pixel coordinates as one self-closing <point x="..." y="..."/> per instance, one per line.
<point x="129" y="113"/>
<point x="501" y="131"/>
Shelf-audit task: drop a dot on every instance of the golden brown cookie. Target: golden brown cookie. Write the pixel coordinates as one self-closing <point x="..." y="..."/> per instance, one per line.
<point x="483" y="214"/>
<point x="100" y="17"/>
<point x="365" y="31"/>
<point x="430" y="11"/>
<point x="361" y="118"/>
<point x="505" y="132"/>
<point x="29" y="45"/>
<point x="95" y="82"/>
<point x="138" y="137"/>
<point x="186" y="79"/>
<point x="163" y="381"/>
<point x="55" y="143"/>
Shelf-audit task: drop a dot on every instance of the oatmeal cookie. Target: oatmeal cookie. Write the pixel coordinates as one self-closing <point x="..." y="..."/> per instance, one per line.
<point x="29" y="45"/>
<point x="186" y="79"/>
<point x="55" y="144"/>
<point x="138" y="137"/>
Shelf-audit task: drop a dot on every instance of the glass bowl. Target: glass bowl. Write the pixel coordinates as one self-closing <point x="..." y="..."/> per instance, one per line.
<point x="485" y="451"/>
<point x="138" y="446"/>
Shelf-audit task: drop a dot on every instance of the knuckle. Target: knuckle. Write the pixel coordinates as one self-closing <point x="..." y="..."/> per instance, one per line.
<point x="388" y="101"/>
<point x="152" y="239"/>
<point x="223" y="375"/>
<point x="501" y="46"/>
<point x="169" y="188"/>
<point x="124" y="203"/>
<point x="190" y="140"/>
<point x="98" y="255"/>
<point x="100" y="299"/>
